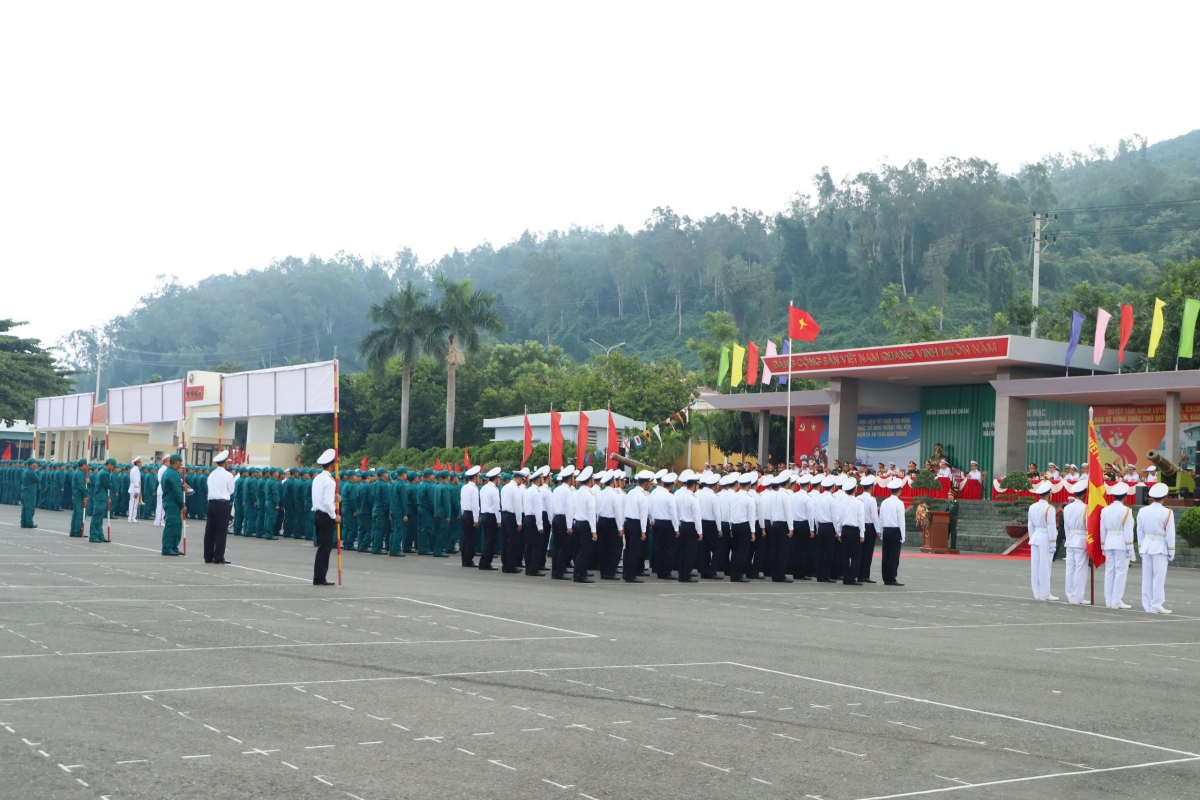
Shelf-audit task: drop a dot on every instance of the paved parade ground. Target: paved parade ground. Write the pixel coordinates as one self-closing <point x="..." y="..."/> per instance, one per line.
<point x="124" y="674"/>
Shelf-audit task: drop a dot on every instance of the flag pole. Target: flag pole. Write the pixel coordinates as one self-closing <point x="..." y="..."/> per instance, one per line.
<point x="337" y="486"/>
<point x="787" y="456"/>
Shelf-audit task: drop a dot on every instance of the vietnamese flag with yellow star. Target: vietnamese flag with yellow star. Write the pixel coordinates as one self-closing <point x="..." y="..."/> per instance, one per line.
<point x="1095" y="497"/>
<point x="801" y="325"/>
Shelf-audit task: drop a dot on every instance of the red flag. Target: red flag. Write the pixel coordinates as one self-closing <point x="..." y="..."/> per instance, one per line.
<point x="801" y="325"/>
<point x="466" y="458"/>
<point x="7" y="453"/>
<point x="613" y="443"/>
<point x="752" y="364"/>
<point x="437" y="462"/>
<point x="1126" y="332"/>
<point x="556" y="440"/>
<point x="581" y="447"/>
<point x="364" y="463"/>
<point x="527" y="450"/>
<point x="1095" y="499"/>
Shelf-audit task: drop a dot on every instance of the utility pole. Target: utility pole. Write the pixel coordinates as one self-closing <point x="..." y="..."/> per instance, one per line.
<point x="1039" y="240"/>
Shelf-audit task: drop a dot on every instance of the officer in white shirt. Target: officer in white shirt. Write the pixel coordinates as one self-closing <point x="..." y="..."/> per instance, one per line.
<point x="547" y="496"/>
<point x="1156" y="540"/>
<point x="1075" y="525"/>
<point x="468" y="501"/>
<point x="824" y="514"/>
<point x="782" y="529"/>
<point x="688" y="508"/>
<point x="562" y="522"/>
<point x="158" y="511"/>
<point x="758" y="550"/>
<point x="531" y="522"/>
<point x="741" y="514"/>
<point x="710" y="526"/>
<point x="216" y="525"/>
<point x="726" y="486"/>
<point x="851" y="533"/>
<point x="974" y="474"/>
<point x="512" y="516"/>
<point x="803" y="533"/>
<point x="1150" y="480"/>
<point x="1052" y="473"/>
<point x="1043" y="537"/>
<point x="608" y="536"/>
<point x="325" y="516"/>
<point x="637" y="515"/>
<point x="944" y="470"/>
<point x="135" y="488"/>
<point x="584" y="525"/>
<point x="665" y="513"/>
<point x="1116" y="532"/>
<point x="891" y="528"/>
<point x="489" y="517"/>
<point x="870" y="521"/>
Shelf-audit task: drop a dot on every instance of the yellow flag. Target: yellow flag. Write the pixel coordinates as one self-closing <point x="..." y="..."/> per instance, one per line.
<point x="1156" y="326"/>
<point x="739" y="359"/>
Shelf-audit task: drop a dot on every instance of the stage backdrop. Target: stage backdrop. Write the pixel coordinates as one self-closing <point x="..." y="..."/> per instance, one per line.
<point x="64" y="411"/>
<point x="881" y="437"/>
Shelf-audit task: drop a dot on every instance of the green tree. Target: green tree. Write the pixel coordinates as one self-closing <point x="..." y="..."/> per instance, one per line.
<point x="27" y="372"/>
<point x="464" y="315"/>
<point x="720" y="330"/>
<point x="407" y="326"/>
<point x="906" y="320"/>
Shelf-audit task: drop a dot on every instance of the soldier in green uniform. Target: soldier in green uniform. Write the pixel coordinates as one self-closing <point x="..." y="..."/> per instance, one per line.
<point x="253" y="492"/>
<point x="272" y="503"/>
<point x="366" y="507"/>
<point x="441" y="514"/>
<point x="454" y="490"/>
<point x="349" y="489"/>
<point x="287" y="488"/>
<point x="426" y="500"/>
<point x="410" y="528"/>
<point x="380" y="512"/>
<point x="100" y="499"/>
<point x="307" y="523"/>
<point x="239" y="500"/>
<point x="201" y="487"/>
<point x="398" y="510"/>
<point x="149" y="492"/>
<point x="29" y="493"/>
<point x="78" y="498"/>
<point x="173" y="506"/>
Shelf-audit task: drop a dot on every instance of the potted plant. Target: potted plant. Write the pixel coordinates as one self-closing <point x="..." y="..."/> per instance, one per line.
<point x="925" y="482"/>
<point x="1011" y="505"/>
<point x="1189" y="526"/>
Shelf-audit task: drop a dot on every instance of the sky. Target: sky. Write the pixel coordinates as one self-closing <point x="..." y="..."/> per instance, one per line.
<point x="188" y="139"/>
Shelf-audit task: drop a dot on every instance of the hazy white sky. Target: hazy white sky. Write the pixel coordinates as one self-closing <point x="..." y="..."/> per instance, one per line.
<point x="138" y="139"/>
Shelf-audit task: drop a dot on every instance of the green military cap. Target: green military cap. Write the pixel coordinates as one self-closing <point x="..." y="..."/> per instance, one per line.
<point x="108" y="461"/>
<point x="428" y="472"/>
<point x="31" y="460"/>
<point x="402" y="470"/>
<point x="295" y="470"/>
<point x="174" y="457"/>
<point x="370" y="473"/>
<point x="506" y="476"/>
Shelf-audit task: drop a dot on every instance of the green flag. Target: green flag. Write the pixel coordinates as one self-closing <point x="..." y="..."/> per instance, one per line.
<point x="723" y="370"/>
<point x="1187" y="333"/>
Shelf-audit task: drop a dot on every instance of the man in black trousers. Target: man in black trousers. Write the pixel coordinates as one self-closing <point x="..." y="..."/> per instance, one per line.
<point x="216" y="524"/>
<point x="325" y="515"/>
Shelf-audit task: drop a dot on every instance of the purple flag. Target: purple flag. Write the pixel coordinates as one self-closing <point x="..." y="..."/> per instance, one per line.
<point x="1076" y="329"/>
<point x="787" y="349"/>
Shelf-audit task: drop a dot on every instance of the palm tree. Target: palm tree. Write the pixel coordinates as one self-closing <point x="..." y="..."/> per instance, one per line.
<point x="708" y="429"/>
<point x="464" y="315"/>
<point x="408" y="325"/>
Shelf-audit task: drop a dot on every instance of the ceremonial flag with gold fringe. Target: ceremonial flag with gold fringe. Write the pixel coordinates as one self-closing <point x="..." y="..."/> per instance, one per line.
<point x="1095" y="497"/>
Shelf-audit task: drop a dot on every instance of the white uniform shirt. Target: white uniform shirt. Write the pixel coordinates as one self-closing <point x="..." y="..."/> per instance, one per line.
<point x="724" y="504"/>
<point x="531" y="504"/>
<point x="759" y="508"/>
<point x="891" y="515"/>
<point x="852" y="514"/>
<point x="1041" y="520"/>
<point x="220" y="484"/>
<point x="741" y="507"/>
<point x="158" y="491"/>
<point x="468" y="499"/>
<point x="637" y="506"/>
<point x="687" y="507"/>
<point x="547" y="497"/>
<point x="489" y="499"/>
<point x="1075" y="522"/>
<point x="975" y="475"/>
<point x="710" y="505"/>
<point x="562" y="503"/>
<point x="606" y="503"/>
<point x="323" y="492"/>
<point x="135" y="480"/>
<point x="821" y="506"/>
<point x="782" y="509"/>
<point x="663" y="507"/>
<point x="801" y="508"/>
<point x="944" y="472"/>
<point x="585" y="506"/>
<point x="510" y="500"/>
<point x="870" y="510"/>
<point x="1116" y="527"/>
<point x="1156" y="531"/>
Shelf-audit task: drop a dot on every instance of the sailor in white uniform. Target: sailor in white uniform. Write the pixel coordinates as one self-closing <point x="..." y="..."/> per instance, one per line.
<point x="1116" y="533"/>
<point x="1075" y="524"/>
<point x="1043" y="536"/>
<point x="1156" y="540"/>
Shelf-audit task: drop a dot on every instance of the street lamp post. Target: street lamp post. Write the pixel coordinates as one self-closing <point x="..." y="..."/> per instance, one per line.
<point x="607" y="350"/>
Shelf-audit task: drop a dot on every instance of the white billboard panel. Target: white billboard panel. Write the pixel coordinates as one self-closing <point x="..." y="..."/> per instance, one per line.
<point x="146" y="404"/>
<point x="283" y="391"/>
<point x="63" y="411"/>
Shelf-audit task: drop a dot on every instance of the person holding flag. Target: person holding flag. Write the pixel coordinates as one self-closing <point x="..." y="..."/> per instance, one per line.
<point x="1075" y="525"/>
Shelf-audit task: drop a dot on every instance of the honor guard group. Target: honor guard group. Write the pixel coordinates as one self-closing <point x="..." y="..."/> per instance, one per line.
<point x="576" y="524"/>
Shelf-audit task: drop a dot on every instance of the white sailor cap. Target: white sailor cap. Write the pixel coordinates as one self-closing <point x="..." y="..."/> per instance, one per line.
<point x="1118" y="490"/>
<point x="709" y="478"/>
<point x="219" y="458"/>
<point x="472" y="472"/>
<point x="827" y="481"/>
<point x="585" y="474"/>
<point x="1043" y="487"/>
<point x="494" y="472"/>
<point x="727" y="480"/>
<point x="1159" y="490"/>
<point x="1052" y="464"/>
<point x="670" y="477"/>
<point x="604" y="476"/>
<point x="644" y="475"/>
<point x="523" y="472"/>
<point x="866" y="480"/>
<point x="895" y="484"/>
<point x="849" y="484"/>
<point x="1151" y="468"/>
<point x="1078" y="487"/>
<point x="688" y="476"/>
<point x="804" y="480"/>
<point x="136" y="459"/>
<point x="327" y="457"/>
<point x="976" y="463"/>
<point x="747" y="479"/>
<point x="658" y="475"/>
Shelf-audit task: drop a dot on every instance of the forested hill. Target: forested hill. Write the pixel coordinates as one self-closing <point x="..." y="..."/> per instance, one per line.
<point x="952" y="236"/>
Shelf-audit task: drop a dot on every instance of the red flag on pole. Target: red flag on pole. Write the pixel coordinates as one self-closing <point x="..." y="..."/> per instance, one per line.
<point x="1095" y="498"/>
<point x="556" y="440"/>
<point x="364" y="463"/>
<point x="437" y="462"/>
<point x="7" y="453"/>
<point x="527" y="450"/>
<point x="581" y="446"/>
<point x="801" y="325"/>
<point x="1126" y="331"/>
<point x="613" y="443"/>
<point x="751" y="365"/>
<point x="466" y="458"/>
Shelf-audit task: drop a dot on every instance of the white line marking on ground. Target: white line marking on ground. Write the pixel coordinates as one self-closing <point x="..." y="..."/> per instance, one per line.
<point x="499" y="764"/>
<point x="952" y="780"/>
<point x="722" y="769"/>
<point x="322" y="780"/>
<point x="847" y="752"/>
<point x="655" y="749"/>
<point x="290" y="766"/>
<point x="559" y="785"/>
<point x="468" y="752"/>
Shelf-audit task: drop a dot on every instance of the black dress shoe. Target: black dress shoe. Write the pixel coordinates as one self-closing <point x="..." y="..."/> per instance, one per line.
<point x="222" y="562"/>
<point x="487" y="569"/>
<point x="324" y="583"/>
<point x="559" y="577"/>
<point x="894" y="583"/>
<point x="851" y="583"/>
<point x="868" y="580"/>
<point x="740" y="580"/>
<point x="634" y="580"/>
<point x="782" y="580"/>
<point x="714" y="577"/>
<point x="471" y="565"/>
<point x="608" y="577"/>
<point x="535" y="574"/>
<point x="584" y="580"/>
<point x="688" y="580"/>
